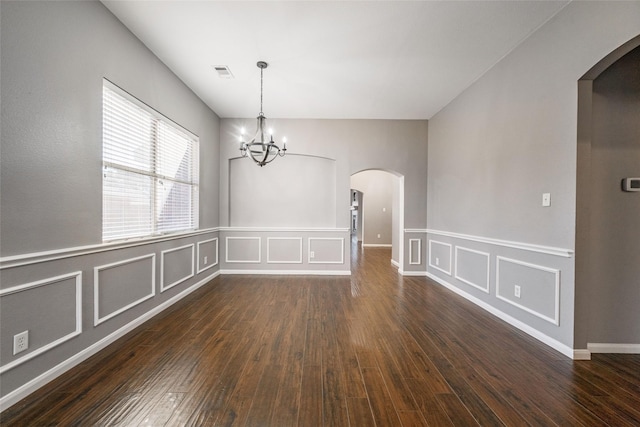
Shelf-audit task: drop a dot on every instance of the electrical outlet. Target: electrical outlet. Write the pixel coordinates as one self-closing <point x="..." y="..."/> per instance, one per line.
<point x="437" y="261"/>
<point x="205" y="260"/>
<point x="378" y="236"/>
<point x="20" y="342"/>
<point x="546" y="199"/>
<point x="516" y="291"/>
<point x="312" y="254"/>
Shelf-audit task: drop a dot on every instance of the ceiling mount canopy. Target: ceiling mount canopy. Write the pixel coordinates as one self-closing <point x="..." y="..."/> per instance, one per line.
<point x="260" y="150"/>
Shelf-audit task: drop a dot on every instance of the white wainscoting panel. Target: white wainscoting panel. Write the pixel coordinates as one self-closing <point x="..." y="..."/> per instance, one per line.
<point x="189" y="267"/>
<point x="210" y="263"/>
<point x="539" y="287"/>
<point x="243" y="250"/>
<point x="326" y="250"/>
<point x="284" y="250"/>
<point x="436" y="261"/>
<point x="75" y="278"/>
<point x="463" y="254"/>
<point x="415" y="251"/>
<point x="100" y="270"/>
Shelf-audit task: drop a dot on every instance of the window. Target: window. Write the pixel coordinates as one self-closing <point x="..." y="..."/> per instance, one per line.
<point x="150" y="170"/>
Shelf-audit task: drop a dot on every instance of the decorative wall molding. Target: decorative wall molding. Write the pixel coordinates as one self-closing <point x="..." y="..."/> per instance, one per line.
<point x="551" y="342"/>
<point x="312" y="260"/>
<point x="288" y="272"/>
<point x="77" y="275"/>
<point x="285" y="229"/>
<point x="246" y="261"/>
<point x="298" y="260"/>
<point x="613" y="348"/>
<point x="556" y="310"/>
<point x="212" y="264"/>
<point x="56" y="254"/>
<point x="437" y="267"/>
<point x="483" y="288"/>
<point x="549" y="250"/>
<point x="96" y="288"/>
<point x="418" y="250"/>
<point x="164" y="287"/>
<point x="33" y="385"/>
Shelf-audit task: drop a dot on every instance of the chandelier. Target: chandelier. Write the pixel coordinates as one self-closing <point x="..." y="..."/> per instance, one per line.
<point x="258" y="148"/>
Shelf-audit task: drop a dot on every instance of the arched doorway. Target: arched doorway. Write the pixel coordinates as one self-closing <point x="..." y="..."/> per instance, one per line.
<point x="380" y="212"/>
<point x="607" y="233"/>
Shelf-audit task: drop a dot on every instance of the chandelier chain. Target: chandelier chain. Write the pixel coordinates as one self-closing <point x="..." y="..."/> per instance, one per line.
<point x="261" y="73"/>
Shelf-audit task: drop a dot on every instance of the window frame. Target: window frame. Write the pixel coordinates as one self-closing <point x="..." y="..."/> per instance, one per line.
<point x="154" y="175"/>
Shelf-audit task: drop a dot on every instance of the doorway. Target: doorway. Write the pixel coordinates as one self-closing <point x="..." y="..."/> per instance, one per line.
<point x="380" y="212"/>
<point x="607" y="234"/>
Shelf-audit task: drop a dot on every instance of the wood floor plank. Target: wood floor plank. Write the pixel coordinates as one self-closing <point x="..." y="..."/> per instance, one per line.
<point x="384" y="413"/>
<point x="360" y="414"/>
<point x="310" y="413"/>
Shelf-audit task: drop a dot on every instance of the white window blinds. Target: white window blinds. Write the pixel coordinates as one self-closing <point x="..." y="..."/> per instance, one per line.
<point x="150" y="171"/>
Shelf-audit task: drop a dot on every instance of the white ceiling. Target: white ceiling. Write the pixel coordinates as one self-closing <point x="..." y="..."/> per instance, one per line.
<point x="352" y="59"/>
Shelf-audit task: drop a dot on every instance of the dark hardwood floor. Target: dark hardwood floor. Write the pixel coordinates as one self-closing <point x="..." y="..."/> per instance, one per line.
<point x="373" y="349"/>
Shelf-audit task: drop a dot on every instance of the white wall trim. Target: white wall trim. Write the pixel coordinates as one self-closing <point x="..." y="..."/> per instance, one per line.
<point x="289" y="272"/>
<point x="310" y="261"/>
<point x="417" y="273"/>
<point x="377" y="245"/>
<point x="437" y="267"/>
<point x="551" y="342"/>
<point x="96" y="285"/>
<point x="77" y="275"/>
<point x="269" y="261"/>
<point x="56" y="254"/>
<point x="556" y="310"/>
<point x="415" y="230"/>
<point x="284" y="229"/>
<point x="395" y="263"/>
<point x="211" y="265"/>
<point x="419" y="252"/>
<point x="23" y="391"/>
<point x="469" y="282"/>
<point x="581" y="354"/>
<point x="250" y="261"/>
<point x="613" y="348"/>
<point x="164" y="287"/>
<point x="549" y="250"/>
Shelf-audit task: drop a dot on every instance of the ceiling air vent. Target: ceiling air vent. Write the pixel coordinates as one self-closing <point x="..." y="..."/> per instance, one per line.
<point x="223" y="71"/>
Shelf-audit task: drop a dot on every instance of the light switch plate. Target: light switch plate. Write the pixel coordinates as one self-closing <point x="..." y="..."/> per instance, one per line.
<point x="546" y="199"/>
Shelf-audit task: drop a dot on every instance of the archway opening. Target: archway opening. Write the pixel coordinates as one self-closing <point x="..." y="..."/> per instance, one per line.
<point x="379" y="215"/>
<point x="607" y="235"/>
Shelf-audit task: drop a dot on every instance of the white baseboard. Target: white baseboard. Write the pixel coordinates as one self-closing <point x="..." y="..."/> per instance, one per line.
<point x="376" y="245"/>
<point x="290" y="272"/>
<point x="614" y="348"/>
<point x="581" y="354"/>
<point x="414" y="273"/>
<point x="551" y="342"/>
<point x="48" y="376"/>
<point x="395" y="263"/>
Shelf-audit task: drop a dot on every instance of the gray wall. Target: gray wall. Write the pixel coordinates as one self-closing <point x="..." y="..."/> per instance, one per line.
<point x="54" y="57"/>
<point x="506" y="140"/>
<point x="399" y="146"/>
<point x="614" y="264"/>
